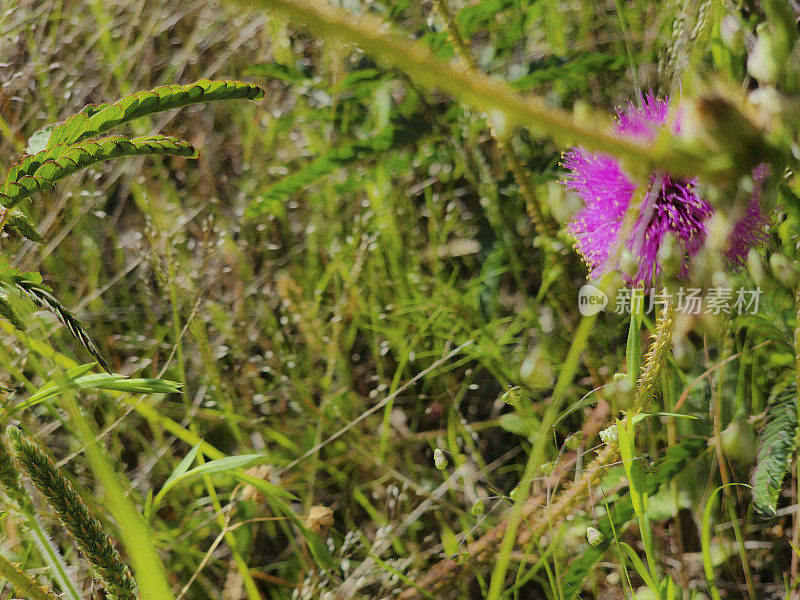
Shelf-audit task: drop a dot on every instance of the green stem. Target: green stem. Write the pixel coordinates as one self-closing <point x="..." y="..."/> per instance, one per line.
<point x="536" y="456"/>
<point x="476" y="89"/>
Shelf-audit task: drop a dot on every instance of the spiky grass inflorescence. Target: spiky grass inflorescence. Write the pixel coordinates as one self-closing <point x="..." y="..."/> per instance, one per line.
<point x="21" y="505"/>
<point x="26" y="586"/>
<point x="656" y="357"/>
<point x="11" y="483"/>
<point x="41" y="296"/>
<point x="73" y="513"/>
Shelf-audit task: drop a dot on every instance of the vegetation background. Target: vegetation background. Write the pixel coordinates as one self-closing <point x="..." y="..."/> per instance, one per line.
<point x="347" y="282"/>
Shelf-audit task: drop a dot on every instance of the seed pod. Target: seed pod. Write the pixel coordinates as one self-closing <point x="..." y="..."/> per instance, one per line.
<point x="738" y="441"/>
<point x="783" y="270"/>
<point x="594" y="536"/>
<point x="536" y="371"/>
<point x="683" y="351"/>
<point x="439" y="459"/>
<point x="755" y="267"/>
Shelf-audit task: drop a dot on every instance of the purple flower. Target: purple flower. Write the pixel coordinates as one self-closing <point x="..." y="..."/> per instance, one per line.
<point x="670" y="205"/>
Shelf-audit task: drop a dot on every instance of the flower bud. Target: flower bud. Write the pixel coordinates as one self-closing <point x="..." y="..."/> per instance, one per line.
<point x="783" y="270"/>
<point x="620" y="393"/>
<point x="755" y="267"/>
<point x="628" y="263"/>
<point x="609" y="435"/>
<point x="594" y="536"/>
<point x="670" y="255"/>
<point x="477" y="508"/>
<point x="731" y="33"/>
<point x="762" y="63"/>
<point x="536" y="371"/>
<point x="738" y="440"/>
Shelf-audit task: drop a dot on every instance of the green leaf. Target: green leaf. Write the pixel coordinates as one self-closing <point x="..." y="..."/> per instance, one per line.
<point x="776" y="446"/>
<point x="221" y="465"/>
<point x="638" y="565"/>
<point x="79" y="378"/>
<point x="621" y="510"/>
<point x="7" y="311"/>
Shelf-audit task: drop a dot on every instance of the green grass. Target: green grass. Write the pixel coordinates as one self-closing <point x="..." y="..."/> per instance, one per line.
<point x="350" y="277"/>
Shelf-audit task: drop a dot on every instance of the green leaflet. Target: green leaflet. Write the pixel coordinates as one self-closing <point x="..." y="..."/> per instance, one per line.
<point x="19" y="222"/>
<point x="776" y="446"/>
<point x="96" y="119"/>
<point x="7" y="311"/>
<point x="40" y="171"/>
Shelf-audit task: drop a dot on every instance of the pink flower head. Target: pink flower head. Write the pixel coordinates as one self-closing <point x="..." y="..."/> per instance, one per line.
<point x="671" y="205"/>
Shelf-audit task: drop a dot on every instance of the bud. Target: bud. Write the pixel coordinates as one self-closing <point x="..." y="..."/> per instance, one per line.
<point x="594" y="536"/>
<point x="783" y="270"/>
<point x="769" y="102"/>
<point x="582" y="113"/>
<point x="477" y="508"/>
<point x="738" y="441"/>
<point x="762" y="63"/>
<point x="439" y="459"/>
<point x="731" y="33"/>
<point x="755" y="267"/>
<point x="720" y="280"/>
<point x="536" y="371"/>
<point x="711" y="325"/>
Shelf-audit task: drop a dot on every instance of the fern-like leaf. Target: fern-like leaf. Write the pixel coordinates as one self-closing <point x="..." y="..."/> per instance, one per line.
<point x="40" y="171"/>
<point x="776" y="446"/>
<point x="96" y="119"/>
